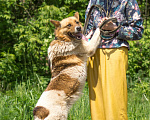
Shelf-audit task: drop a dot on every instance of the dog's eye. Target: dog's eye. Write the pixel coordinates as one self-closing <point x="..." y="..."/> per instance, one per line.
<point x="77" y="22"/>
<point x="69" y="25"/>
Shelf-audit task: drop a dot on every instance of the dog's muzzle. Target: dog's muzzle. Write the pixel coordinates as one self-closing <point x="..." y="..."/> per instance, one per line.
<point x="77" y="36"/>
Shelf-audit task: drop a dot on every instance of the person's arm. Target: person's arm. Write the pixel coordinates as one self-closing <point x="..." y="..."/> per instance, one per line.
<point x="90" y="23"/>
<point x="88" y="8"/>
<point x="132" y="29"/>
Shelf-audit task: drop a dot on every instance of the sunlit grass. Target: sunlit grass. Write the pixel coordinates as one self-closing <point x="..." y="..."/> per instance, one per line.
<point x="18" y="104"/>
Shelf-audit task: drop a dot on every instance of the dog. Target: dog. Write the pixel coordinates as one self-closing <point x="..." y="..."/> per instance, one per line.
<point x="68" y="55"/>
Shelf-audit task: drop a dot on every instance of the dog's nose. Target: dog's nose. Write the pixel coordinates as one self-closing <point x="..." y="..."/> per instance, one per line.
<point x="78" y="29"/>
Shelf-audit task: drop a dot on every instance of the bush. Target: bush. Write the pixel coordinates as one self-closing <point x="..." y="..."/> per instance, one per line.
<point x="139" y="57"/>
<point x="26" y="33"/>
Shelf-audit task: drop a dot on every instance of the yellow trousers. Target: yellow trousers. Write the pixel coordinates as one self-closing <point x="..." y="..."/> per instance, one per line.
<point x="107" y="84"/>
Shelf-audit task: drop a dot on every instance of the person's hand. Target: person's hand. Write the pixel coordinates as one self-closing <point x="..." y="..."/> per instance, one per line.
<point x="109" y="26"/>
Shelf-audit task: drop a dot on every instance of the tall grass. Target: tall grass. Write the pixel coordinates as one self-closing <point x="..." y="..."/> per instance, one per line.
<point x="18" y="103"/>
<point x="81" y="110"/>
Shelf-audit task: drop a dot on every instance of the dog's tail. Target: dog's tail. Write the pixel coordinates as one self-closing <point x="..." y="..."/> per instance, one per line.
<point x="40" y="113"/>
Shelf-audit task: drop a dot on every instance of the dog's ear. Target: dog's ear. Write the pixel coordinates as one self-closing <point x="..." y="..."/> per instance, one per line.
<point x="76" y="15"/>
<point x="55" y="23"/>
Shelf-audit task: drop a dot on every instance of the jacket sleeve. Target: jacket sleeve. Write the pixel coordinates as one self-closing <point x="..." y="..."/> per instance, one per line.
<point x="90" y="23"/>
<point x="132" y="27"/>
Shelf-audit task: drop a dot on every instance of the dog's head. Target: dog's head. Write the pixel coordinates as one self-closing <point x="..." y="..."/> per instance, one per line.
<point x="69" y="28"/>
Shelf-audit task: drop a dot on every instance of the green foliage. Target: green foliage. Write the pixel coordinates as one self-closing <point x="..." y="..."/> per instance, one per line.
<point x="138" y="101"/>
<point x="139" y="57"/>
<point x="81" y="109"/>
<point x="18" y="104"/>
<point x="26" y="33"/>
<point x="8" y="69"/>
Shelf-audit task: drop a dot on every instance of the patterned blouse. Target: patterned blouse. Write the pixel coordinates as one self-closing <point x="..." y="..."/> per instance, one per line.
<point x="128" y="15"/>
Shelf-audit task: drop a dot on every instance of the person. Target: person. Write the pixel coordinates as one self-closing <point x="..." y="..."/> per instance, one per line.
<point x="107" y="68"/>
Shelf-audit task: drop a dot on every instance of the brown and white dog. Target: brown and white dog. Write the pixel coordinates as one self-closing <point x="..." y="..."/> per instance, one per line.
<point x="68" y="55"/>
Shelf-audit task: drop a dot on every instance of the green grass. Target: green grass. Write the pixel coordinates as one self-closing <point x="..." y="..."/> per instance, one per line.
<point x="18" y="103"/>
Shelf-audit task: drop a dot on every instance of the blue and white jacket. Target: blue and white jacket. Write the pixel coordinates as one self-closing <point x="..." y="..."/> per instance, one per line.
<point x="128" y="15"/>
